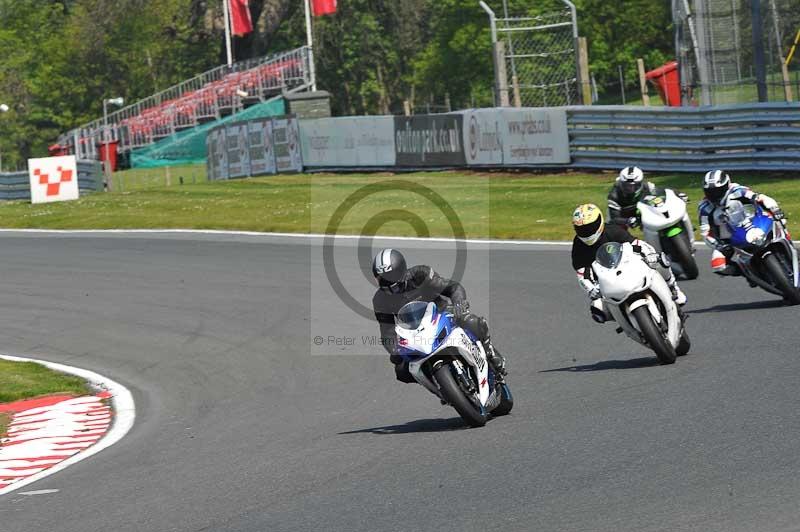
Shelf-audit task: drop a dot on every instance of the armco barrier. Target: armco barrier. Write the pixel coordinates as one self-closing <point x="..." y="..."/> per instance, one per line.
<point x="751" y="137"/>
<point x="528" y="137"/>
<point x="17" y="186"/>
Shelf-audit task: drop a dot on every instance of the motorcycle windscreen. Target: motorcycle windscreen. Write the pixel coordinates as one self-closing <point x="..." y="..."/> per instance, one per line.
<point x="739" y="214"/>
<point x="411" y="315"/>
<point x="655" y="200"/>
<point x="609" y="255"/>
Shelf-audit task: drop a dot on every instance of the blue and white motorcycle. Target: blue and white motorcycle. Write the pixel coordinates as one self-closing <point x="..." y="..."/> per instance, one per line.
<point x="764" y="251"/>
<point x="450" y="363"/>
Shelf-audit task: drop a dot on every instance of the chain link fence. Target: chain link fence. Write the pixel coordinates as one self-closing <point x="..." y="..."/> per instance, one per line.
<point x="541" y="58"/>
<point x="537" y="54"/>
<point x="721" y="44"/>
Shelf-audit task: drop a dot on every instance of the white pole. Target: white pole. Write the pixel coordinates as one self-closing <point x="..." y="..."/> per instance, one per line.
<point x="3" y="109"/>
<point x="106" y="164"/>
<point x="227" y="17"/>
<point x="310" y="41"/>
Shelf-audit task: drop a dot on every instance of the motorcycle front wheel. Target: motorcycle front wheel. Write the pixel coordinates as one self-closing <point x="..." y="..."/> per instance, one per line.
<point x="454" y="395"/>
<point x="777" y="274"/>
<point x="653" y="336"/>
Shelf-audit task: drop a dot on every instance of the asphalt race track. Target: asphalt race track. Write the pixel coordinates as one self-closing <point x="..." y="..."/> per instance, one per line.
<point x="242" y="427"/>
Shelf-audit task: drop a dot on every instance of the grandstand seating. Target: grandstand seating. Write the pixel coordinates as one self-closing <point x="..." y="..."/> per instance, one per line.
<point x="210" y="96"/>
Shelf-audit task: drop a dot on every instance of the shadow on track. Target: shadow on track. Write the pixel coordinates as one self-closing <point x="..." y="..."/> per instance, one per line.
<point x="633" y="363"/>
<point x="420" y="425"/>
<point x="733" y="307"/>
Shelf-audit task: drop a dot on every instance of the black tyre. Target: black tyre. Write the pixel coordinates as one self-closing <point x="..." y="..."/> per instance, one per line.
<point x="682" y="254"/>
<point x="506" y="401"/>
<point x="684" y="344"/>
<point x="654" y="337"/>
<point x="777" y="275"/>
<point x="452" y="393"/>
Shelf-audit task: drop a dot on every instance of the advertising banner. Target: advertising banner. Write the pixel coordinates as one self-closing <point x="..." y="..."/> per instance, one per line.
<point x="429" y="140"/>
<point x="262" y="157"/>
<point x="285" y="142"/>
<point x="217" y="154"/>
<point x="53" y="179"/>
<point x="238" y="151"/>
<point x="516" y="137"/>
<point x="483" y="137"/>
<point x="534" y="136"/>
<point x="348" y="141"/>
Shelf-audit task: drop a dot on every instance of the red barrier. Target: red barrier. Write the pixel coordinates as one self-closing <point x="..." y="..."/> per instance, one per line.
<point x="111" y="151"/>
<point x="667" y="81"/>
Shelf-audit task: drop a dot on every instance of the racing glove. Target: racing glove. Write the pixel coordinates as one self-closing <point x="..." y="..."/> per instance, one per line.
<point x="770" y="204"/>
<point x="683" y="196"/>
<point x="460" y="310"/>
<point x="632" y="222"/>
<point x="592" y="289"/>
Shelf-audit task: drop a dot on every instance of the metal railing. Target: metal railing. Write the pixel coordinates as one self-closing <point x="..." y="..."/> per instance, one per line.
<point x="752" y="137"/>
<point x="209" y="96"/>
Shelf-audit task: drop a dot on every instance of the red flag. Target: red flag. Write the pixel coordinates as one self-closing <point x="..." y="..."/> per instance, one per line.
<point x="323" y="7"/>
<point x="241" y="22"/>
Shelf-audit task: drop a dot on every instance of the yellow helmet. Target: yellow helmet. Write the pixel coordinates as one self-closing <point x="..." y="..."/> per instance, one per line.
<point x="587" y="219"/>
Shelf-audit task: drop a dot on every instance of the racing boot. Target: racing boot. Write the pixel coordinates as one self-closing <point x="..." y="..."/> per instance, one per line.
<point x="677" y="294"/>
<point x="598" y="312"/>
<point x="497" y="361"/>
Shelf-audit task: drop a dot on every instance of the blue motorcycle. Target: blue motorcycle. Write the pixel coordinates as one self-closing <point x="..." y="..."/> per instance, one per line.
<point x="450" y="362"/>
<point x="764" y="250"/>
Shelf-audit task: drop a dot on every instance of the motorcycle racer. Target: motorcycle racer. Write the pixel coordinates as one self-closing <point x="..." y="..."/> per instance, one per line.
<point x="719" y="190"/>
<point x="591" y="233"/>
<point x="628" y="189"/>
<point x="399" y="284"/>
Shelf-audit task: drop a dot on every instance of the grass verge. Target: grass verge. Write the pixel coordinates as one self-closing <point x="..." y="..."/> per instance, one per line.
<point x="490" y="205"/>
<point x="23" y="380"/>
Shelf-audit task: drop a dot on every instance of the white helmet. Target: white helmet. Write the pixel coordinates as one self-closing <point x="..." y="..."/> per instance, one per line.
<point x="715" y="184"/>
<point x="631" y="180"/>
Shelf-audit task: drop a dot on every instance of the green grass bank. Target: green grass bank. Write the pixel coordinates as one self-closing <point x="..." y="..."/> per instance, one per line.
<point x="488" y="204"/>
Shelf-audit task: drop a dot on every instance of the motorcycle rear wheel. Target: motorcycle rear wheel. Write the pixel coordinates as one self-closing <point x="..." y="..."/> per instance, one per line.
<point x="682" y="254"/>
<point x="777" y="275"/>
<point x="506" y="401"/>
<point x="684" y="344"/>
<point x="653" y="335"/>
<point x="452" y="393"/>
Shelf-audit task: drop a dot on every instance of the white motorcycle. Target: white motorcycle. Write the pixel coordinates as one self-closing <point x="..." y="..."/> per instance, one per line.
<point x="640" y="301"/>
<point x="667" y="227"/>
<point x="450" y="363"/>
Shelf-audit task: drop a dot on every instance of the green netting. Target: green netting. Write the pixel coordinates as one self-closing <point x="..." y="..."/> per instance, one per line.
<point x="189" y="146"/>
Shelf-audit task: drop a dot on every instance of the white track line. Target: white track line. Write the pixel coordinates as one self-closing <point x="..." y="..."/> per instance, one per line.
<point x="318" y="236"/>
<point x="124" y="415"/>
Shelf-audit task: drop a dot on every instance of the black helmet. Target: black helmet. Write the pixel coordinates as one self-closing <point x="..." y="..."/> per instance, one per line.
<point x="389" y="268"/>
<point x="715" y="184"/>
